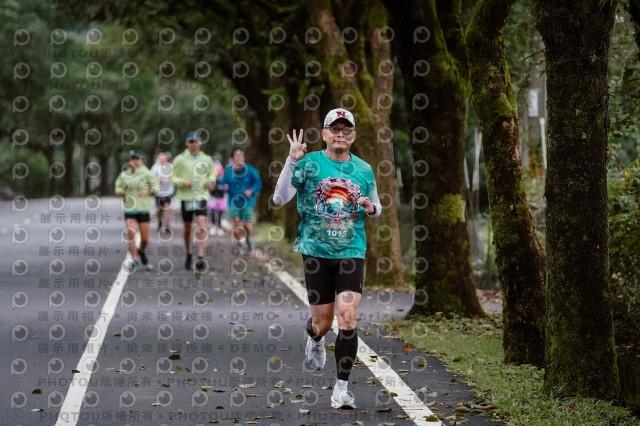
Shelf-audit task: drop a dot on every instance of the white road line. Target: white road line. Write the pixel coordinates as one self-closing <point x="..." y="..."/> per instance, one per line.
<point x="70" y="410"/>
<point x="387" y="377"/>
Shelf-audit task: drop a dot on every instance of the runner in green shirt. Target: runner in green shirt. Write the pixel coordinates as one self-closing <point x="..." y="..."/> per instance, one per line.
<point x="194" y="175"/>
<point x="136" y="184"/>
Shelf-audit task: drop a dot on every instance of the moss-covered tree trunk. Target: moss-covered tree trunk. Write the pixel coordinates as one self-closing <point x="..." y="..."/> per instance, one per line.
<point x="432" y="59"/>
<point x="387" y="233"/>
<point x="580" y="353"/>
<point x="353" y="86"/>
<point x="520" y="258"/>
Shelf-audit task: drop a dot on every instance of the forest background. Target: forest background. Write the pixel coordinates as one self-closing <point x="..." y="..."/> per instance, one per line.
<point x="85" y="83"/>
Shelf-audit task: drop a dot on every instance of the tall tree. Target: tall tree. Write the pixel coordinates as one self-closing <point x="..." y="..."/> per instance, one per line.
<point x="429" y="44"/>
<point x="242" y="46"/>
<point x="520" y="257"/>
<point x="364" y="84"/>
<point x="580" y="352"/>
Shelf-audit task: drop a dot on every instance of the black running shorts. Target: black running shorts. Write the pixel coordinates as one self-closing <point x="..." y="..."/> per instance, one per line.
<point x="327" y="277"/>
<point x="162" y="201"/>
<point x="139" y="217"/>
<point x="191" y="208"/>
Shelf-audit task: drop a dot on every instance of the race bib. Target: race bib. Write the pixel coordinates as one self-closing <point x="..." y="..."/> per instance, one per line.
<point x="336" y="231"/>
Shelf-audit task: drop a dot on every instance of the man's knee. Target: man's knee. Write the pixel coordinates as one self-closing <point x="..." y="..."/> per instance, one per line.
<point x="322" y="326"/>
<point x="347" y="318"/>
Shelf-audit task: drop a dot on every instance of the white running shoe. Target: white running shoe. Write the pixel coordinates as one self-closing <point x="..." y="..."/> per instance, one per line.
<point x="213" y="232"/>
<point x="220" y="232"/>
<point x="315" y="354"/>
<point x="341" y="397"/>
<point x="131" y="267"/>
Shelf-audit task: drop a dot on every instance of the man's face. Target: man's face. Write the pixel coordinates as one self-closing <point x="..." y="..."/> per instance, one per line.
<point x="135" y="162"/>
<point x="339" y="142"/>
<point x="193" y="145"/>
<point x="238" y="159"/>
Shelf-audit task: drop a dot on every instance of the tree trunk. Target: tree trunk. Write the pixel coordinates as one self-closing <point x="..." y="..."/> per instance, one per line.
<point x="105" y="188"/>
<point x="296" y="118"/>
<point x="520" y="258"/>
<point x="258" y="155"/>
<point x="49" y="153"/>
<point x="363" y="92"/>
<point x="66" y="185"/>
<point x="387" y="236"/>
<point x="437" y="111"/>
<point x="580" y="352"/>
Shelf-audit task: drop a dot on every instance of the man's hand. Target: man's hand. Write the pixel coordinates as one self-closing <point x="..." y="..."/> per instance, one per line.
<point x="366" y="203"/>
<point x="297" y="149"/>
<point x="248" y="193"/>
<point x="210" y="186"/>
<point x="122" y="193"/>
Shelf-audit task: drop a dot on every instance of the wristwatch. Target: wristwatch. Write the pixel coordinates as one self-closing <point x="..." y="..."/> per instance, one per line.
<point x="375" y="210"/>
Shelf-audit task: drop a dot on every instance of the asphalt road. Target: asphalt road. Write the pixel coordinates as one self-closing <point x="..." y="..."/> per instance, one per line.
<point x="84" y="343"/>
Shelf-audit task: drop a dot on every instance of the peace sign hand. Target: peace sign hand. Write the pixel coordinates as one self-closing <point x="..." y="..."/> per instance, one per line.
<point x="297" y="149"/>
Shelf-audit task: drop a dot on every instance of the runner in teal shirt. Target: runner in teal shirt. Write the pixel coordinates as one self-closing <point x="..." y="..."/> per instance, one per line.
<point x="332" y="221"/>
<point x="335" y="191"/>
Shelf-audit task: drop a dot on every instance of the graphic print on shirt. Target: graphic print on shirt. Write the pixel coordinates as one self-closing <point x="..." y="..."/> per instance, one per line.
<point x="335" y="201"/>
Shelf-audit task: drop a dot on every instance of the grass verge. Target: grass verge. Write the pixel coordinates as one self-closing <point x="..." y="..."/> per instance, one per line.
<point x="278" y="247"/>
<point x="473" y="348"/>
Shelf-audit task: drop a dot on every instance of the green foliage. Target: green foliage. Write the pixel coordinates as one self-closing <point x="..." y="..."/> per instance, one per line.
<point x="534" y="188"/>
<point x="524" y="48"/>
<point x="624" y="256"/>
<point x="522" y="85"/>
<point x="116" y="109"/>
<point x="624" y="183"/>
<point x="473" y="348"/>
<point x="624" y="109"/>
<point x="624" y="104"/>
<point x="19" y="161"/>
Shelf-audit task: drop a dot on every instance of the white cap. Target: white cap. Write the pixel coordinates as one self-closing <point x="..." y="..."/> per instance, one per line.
<point x="338" y="113"/>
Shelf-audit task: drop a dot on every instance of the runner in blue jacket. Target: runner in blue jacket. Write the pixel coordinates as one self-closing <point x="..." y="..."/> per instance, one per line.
<point x="243" y="184"/>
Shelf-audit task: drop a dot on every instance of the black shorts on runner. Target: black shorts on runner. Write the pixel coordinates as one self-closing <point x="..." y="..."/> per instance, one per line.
<point x="139" y="217"/>
<point x="327" y="277"/>
<point x="161" y="201"/>
<point x="200" y="210"/>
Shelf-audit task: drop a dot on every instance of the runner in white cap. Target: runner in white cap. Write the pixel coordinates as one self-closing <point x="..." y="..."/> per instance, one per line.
<point x="335" y="192"/>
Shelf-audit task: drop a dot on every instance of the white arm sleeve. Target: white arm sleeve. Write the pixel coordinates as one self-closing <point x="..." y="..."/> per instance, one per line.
<point x="284" y="191"/>
<point x="376" y="202"/>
